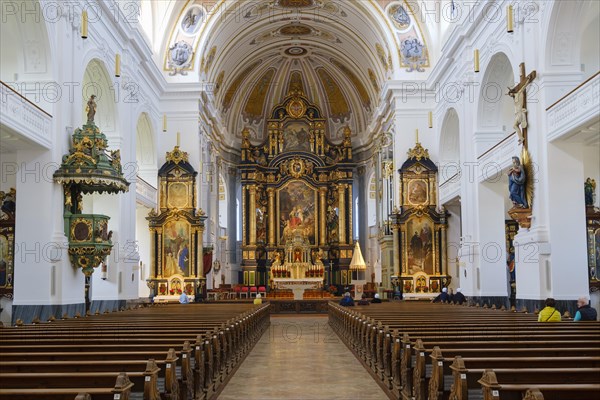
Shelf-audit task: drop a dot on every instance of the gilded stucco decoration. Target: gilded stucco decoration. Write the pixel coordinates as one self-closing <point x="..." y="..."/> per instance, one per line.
<point x="255" y="105"/>
<point x="338" y="105"/>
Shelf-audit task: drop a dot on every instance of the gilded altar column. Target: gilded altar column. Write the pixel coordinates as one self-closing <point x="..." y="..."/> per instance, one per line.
<point x="444" y="260"/>
<point x="200" y="253"/>
<point x="252" y="214"/>
<point x="159" y="261"/>
<point x="396" y="243"/>
<point x="153" y="262"/>
<point x="271" y="194"/>
<point x="342" y="211"/>
<point x="322" y="207"/>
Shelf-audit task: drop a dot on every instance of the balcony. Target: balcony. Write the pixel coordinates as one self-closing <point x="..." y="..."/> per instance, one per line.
<point x="576" y="110"/>
<point x="145" y="193"/>
<point x="22" y="116"/>
<point x="491" y="163"/>
<point x="450" y="188"/>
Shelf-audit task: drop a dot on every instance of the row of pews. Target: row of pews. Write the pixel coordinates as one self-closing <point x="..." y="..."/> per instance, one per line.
<point x="164" y="352"/>
<point x="440" y="351"/>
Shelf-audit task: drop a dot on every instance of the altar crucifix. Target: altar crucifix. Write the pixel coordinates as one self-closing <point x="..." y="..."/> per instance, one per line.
<point x="519" y="95"/>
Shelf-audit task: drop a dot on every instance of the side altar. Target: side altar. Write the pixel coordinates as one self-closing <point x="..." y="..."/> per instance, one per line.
<point x="296" y="197"/>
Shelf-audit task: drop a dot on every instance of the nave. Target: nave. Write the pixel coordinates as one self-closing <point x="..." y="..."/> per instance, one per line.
<point x="301" y="357"/>
<point x="398" y="350"/>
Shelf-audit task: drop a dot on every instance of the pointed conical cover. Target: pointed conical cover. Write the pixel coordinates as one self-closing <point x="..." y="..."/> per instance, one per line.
<point x="358" y="262"/>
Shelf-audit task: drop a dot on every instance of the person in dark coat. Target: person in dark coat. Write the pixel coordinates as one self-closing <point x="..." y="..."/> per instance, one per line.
<point x="584" y="311"/>
<point x="442" y="297"/>
<point x="347" y="300"/>
<point x="376" y="299"/>
<point x="459" y="298"/>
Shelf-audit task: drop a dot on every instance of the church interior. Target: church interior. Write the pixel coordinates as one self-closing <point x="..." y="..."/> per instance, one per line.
<point x="269" y="160"/>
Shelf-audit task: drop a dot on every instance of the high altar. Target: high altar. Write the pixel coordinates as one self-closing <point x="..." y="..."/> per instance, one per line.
<point x="297" y="200"/>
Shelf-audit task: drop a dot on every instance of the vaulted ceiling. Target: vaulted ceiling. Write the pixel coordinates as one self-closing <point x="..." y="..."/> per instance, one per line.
<point x="340" y="53"/>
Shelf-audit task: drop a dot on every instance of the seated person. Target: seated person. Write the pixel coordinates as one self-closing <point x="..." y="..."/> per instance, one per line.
<point x="183" y="299"/>
<point x="363" y="300"/>
<point x="258" y="299"/>
<point x="584" y="311"/>
<point x="347" y="300"/>
<point x="549" y="313"/>
<point x="442" y="297"/>
<point x="459" y="298"/>
<point x="376" y="299"/>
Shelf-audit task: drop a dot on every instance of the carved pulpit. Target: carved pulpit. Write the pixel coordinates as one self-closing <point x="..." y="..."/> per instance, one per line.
<point x="296" y="184"/>
<point x="176" y="230"/>
<point x="420" y="228"/>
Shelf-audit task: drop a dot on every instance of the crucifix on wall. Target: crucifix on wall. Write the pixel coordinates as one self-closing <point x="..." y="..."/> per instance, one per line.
<point x="519" y="95"/>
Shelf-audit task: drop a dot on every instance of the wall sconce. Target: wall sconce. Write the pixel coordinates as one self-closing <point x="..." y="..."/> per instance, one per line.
<point x="476" y="60"/>
<point x="118" y="65"/>
<point x="84" y="25"/>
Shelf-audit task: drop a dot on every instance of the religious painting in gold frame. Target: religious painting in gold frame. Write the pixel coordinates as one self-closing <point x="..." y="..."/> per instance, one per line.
<point x="417" y="193"/>
<point x="420" y="245"/>
<point x="176" y="248"/>
<point x="178" y="195"/>
<point x="296" y="136"/>
<point x="297" y="210"/>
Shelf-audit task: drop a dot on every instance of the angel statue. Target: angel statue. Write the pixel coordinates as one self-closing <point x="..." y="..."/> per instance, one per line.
<point x="516" y="184"/>
<point x="590" y="191"/>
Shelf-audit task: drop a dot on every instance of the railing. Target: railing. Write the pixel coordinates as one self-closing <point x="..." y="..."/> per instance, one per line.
<point x="491" y="163"/>
<point x="24" y="117"/>
<point x="575" y="109"/>
<point x="145" y="193"/>
<point x="450" y="188"/>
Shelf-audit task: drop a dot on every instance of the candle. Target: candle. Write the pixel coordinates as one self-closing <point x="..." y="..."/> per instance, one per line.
<point x="476" y="60"/>
<point x="509" y="19"/>
<point x="84" y="24"/>
<point x="177" y="139"/>
<point x="430" y="119"/>
<point x="417" y="136"/>
<point x="118" y="65"/>
<point x="164" y="122"/>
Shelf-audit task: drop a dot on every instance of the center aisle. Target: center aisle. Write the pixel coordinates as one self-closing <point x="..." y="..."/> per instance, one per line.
<point x="301" y="358"/>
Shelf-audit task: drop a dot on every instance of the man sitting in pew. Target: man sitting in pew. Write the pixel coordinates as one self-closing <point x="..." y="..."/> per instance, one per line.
<point x="376" y="299"/>
<point x="549" y="313"/>
<point x="442" y="297"/>
<point x="585" y="312"/>
<point x="458" y="297"/>
<point x="347" y="300"/>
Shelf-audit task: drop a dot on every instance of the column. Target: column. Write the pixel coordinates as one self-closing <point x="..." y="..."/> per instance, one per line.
<point x="342" y="212"/>
<point x="159" y="270"/>
<point x="444" y="250"/>
<point x="252" y="214"/>
<point x="322" y="213"/>
<point x="396" y="241"/>
<point x="271" y="194"/>
<point x="153" y="267"/>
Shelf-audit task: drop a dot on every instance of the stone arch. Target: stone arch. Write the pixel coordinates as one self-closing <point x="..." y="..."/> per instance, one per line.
<point x="449" y="145"/>
<point x="97" y="81"/>
<point x="495" y="110"/>
<point x="145" y="149"/>
<point x="566" y="34"/>
<point x="26" y="53"/>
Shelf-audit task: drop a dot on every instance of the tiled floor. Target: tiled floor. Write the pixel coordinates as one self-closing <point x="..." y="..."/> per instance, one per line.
<point x="301" y="358"/>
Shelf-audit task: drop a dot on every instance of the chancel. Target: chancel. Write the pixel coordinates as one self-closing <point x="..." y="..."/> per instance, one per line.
<point x="217" y="188"/>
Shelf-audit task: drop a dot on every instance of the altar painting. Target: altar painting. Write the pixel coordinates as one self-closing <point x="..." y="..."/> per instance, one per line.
<point x="296" y="136"/>
<point x="176" y="251"/>
<point x="297" y="211"/>
<point x="420" y="245"/>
